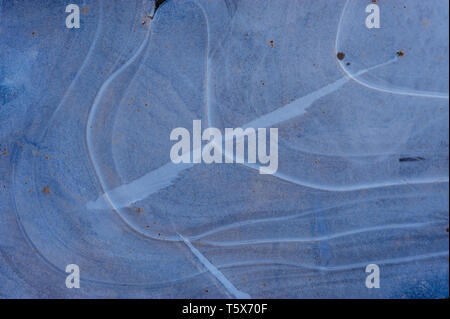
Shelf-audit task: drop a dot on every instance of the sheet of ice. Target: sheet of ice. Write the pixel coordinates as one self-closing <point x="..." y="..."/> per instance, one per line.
<point x="86" y="116"/>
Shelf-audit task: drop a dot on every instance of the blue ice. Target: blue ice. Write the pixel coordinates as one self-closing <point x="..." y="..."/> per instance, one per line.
<point x="86" y="177"/>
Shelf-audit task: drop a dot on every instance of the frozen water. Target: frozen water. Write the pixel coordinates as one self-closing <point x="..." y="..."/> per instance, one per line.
<point x="86" y="177"/>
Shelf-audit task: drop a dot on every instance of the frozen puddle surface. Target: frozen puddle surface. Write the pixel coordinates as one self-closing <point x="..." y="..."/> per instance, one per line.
<point x="362" y="175"/>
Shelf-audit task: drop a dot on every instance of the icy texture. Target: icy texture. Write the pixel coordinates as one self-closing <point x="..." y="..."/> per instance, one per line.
<point x="86" y="177"/>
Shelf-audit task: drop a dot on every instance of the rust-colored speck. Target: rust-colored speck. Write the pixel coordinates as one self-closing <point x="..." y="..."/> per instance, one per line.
<point x="46" y="190"/>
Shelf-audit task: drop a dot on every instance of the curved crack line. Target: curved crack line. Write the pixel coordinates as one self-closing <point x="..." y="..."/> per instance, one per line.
<point x="77" y="75"/>
<point x="62" y="272"/>
<point x="318" y="238"/>
<point x="388" y="261"/>
<point x="254" y="221"/>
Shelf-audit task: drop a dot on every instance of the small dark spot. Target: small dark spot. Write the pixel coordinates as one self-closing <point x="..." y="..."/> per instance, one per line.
<point x="139" y="210"/>
<point x="411" y="159"/>
<point x="271" y="43"/>
<point x="341" y="55"/>
<point x="446" y="229"/>
<point x="348" y="63"/>
<point x="33" y="33"/>
<point x="400" y="53"/>
<point x="46" y="190"/>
